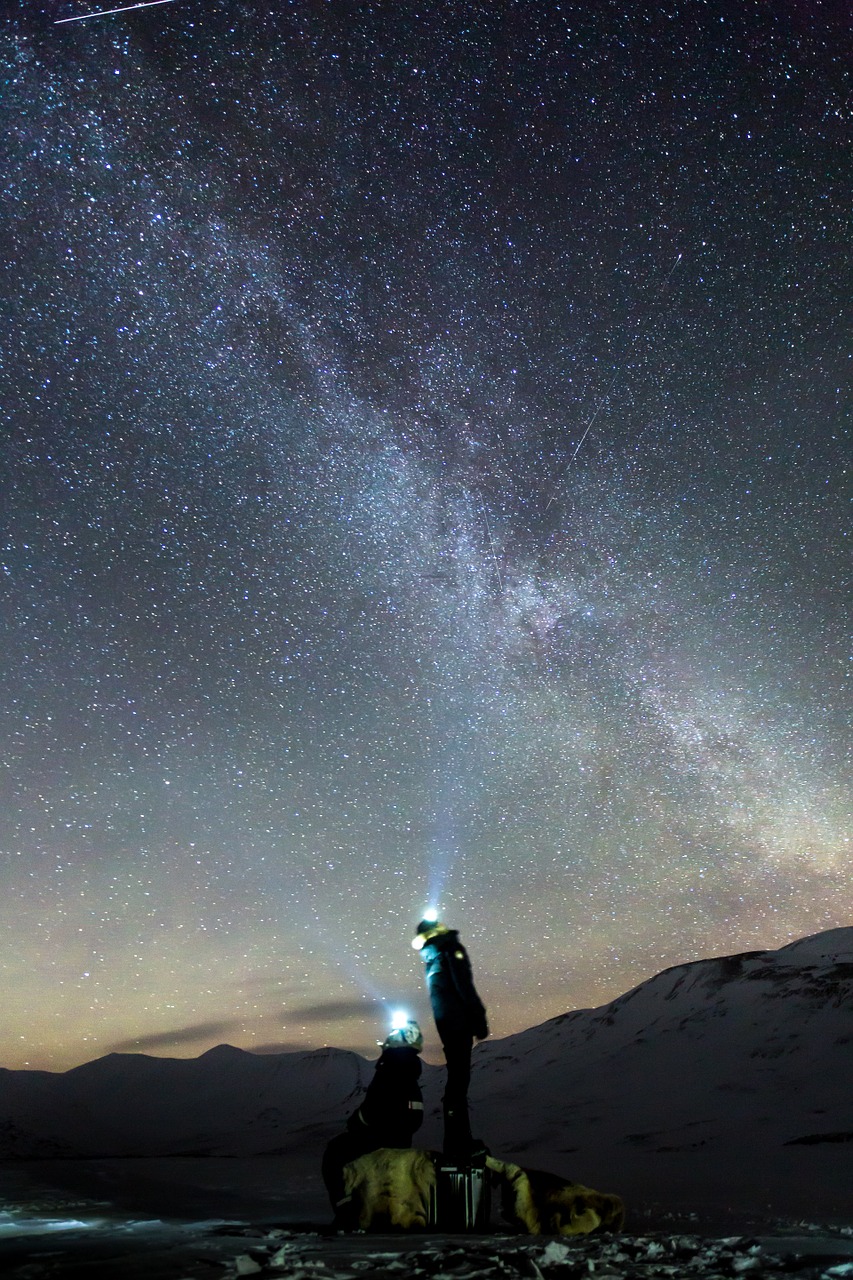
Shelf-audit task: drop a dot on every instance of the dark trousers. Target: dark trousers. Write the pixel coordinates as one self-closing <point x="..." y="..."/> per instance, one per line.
<point x="342" y="1149"/>
<point x="457" y="1127"/>
<point x="346" y="1147"/>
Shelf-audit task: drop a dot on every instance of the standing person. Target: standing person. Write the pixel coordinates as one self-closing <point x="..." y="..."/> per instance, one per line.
<point x="459" y="1016"/>
<point x="390" y="1113"/>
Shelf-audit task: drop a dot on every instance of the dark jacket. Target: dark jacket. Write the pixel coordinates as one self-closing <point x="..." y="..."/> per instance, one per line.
<point x="393" y="1105"/>
<point x="456" y="1007"/>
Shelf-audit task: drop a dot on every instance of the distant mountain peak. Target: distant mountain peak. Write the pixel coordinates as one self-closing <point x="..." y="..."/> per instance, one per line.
<point x="224" y="1051"/>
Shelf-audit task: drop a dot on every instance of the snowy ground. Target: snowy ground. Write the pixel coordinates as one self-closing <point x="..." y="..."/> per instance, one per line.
<point x="76" y="1219"/>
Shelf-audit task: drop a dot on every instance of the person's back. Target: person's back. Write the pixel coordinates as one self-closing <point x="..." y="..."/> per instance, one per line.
<point x="391" y="1111"/>
<point x="456" y="1006"/>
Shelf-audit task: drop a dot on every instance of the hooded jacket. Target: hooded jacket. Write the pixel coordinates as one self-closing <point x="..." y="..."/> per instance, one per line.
<point x="456" y="1007"/>
<point x="393" y="1105"/>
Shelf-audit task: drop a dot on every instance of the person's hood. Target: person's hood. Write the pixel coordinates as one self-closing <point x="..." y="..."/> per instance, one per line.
<point x="437" y="935"/>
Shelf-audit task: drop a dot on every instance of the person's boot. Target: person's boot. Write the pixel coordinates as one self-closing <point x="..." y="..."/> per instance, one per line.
<point x="477" y="1154"/>
<point x="346" y="1218"/>
<point x="457" y="1138"/>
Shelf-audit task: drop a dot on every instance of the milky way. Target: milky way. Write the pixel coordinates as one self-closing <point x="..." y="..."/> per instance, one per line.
<point x="424" y="473"/>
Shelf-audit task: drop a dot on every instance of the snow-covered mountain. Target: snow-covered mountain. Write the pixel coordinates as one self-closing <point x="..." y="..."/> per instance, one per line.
<point x="763" y="1040"/>
<point x="735" y="1071"/>
<point x="226" y="1102"/>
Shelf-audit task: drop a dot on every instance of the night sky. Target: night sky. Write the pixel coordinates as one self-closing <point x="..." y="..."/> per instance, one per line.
<point x="423" y="472"/>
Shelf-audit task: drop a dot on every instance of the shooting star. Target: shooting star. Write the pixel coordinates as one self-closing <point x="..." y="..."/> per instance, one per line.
<point x="562" y="474"/>
<point x="672" y="268"/>
<point x="102" y="13"/>
<point x="492" y="545"/>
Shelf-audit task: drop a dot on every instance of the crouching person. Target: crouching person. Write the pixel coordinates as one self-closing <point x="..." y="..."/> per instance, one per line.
<point x="391" y="1112"/>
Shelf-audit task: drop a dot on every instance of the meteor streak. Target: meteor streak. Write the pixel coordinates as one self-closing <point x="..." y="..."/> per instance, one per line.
<point x="561" y="474"/>
<point x="102" y="13"/>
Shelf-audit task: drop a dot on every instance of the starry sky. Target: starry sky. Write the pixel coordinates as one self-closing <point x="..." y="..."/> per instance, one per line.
<point x="423" y="470"/>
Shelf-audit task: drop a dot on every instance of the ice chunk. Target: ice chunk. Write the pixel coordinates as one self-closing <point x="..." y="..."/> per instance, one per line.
<point x="554" y="1253"/>
<point x="246" y="1265"/>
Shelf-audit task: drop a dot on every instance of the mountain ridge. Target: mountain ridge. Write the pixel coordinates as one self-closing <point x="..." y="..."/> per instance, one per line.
<point x="738" y="1063"/>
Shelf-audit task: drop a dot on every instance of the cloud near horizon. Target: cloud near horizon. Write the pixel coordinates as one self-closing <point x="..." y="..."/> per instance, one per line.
<point x="312" y="1015"/>
<point x="332" y="1011"/>
<point x="181" y="1035"/>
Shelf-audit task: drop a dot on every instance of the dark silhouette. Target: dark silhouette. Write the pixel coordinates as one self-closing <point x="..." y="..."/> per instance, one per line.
<point x="390" y="1113"/>
<point x="460" y="1016"/>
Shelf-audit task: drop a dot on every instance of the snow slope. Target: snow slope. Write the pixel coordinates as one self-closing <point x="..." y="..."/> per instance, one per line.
<point x="710" y="1083"/>
<point x="762" y="1040"/>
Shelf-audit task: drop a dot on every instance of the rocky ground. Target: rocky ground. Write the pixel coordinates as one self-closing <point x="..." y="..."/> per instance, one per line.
<point x="47" y="1231"/>
<point x="159" y="1251"/>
